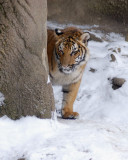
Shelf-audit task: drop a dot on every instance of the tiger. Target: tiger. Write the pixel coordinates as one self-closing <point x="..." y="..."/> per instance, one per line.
<point x="68" y="55"/>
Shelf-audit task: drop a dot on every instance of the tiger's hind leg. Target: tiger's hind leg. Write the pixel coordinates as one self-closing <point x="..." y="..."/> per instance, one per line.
<point x="69" y="96"/>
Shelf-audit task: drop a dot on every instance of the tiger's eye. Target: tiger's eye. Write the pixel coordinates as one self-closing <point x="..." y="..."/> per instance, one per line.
<point x="74" y="47"/>
<point x="61" y="47"/>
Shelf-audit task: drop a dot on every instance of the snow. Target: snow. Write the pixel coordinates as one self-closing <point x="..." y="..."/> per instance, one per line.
<point x="48" y="81"/>
<point x="101" y="132"/>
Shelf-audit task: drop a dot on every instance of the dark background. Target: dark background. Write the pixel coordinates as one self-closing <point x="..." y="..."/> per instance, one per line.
<point x="111" y="15"/>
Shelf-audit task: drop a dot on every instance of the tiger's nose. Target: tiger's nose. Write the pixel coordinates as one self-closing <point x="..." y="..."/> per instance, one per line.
<point x="65" y="65"/>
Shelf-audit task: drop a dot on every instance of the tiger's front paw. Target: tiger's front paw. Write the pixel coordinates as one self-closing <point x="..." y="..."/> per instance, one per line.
<point x="70" y="115"/>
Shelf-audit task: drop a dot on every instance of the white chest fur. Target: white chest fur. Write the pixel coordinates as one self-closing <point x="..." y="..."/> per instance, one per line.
<point x="59" y="78"/>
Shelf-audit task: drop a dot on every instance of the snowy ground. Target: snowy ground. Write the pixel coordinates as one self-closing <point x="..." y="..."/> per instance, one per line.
<point x="101" y="133"/>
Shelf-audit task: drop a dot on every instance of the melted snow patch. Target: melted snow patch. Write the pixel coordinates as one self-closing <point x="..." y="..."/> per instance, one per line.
<point x="1" y="99"/>
<point x="54" y="25"/>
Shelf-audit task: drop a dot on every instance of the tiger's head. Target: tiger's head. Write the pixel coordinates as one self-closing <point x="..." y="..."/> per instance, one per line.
<point x="71" y="49"/>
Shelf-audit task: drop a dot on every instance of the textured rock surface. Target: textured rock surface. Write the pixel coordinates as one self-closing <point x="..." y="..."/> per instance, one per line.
<point x="113" y="58"/>
<point x="23" y="62"/>
<point x="80" y="11"/>
<point x="110" y="13"/>
<point x="117" y="82"/>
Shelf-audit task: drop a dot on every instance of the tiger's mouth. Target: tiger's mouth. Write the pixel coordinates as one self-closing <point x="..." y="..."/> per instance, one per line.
<point x="66" y="70"/>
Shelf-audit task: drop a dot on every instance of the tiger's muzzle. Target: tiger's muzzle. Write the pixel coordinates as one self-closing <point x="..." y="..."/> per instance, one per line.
<point x="66" y="69"/>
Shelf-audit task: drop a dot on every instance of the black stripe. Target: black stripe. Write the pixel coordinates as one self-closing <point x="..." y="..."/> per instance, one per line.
<point x="52" y="63"/>
<point x="50" y="75"/>
<point x="80" y="61"/>
<point x="65" y="91"/>
<point x="57" y="56"/>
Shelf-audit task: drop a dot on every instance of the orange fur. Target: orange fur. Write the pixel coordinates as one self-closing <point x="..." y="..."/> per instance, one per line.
<point x="67" y="57"/>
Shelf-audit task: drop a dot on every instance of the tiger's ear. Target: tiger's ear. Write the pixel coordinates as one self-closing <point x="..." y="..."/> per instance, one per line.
<point x="85" y="37"/>
<point x="58" y="32"/>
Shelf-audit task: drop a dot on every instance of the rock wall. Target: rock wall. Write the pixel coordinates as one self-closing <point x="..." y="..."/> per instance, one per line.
<point x="115" y="9"/>
<point x="100" y="12"/>
<point x="23" y="61"/>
